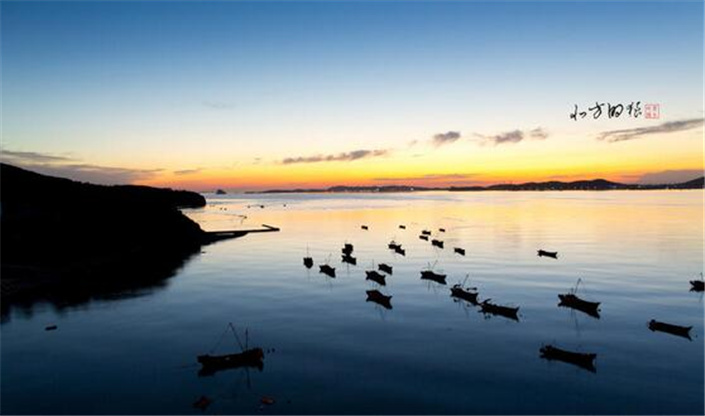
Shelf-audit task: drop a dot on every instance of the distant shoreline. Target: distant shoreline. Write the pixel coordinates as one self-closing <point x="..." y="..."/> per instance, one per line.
<point x="590" y="185"/>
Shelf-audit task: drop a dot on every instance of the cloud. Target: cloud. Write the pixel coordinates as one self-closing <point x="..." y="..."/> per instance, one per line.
<point x="218" y="105"/>
<point x="430" y="177"/>
<point x="670" y="176"/>
<point x="514" y="136"/>
<point x="445" y="138"/>
<point x="340" y="157"/>
<point x="32" y="157"/>
<point x="65" y="167"/>
<point x="613" y="136"/>
<point x="187" y="171"/>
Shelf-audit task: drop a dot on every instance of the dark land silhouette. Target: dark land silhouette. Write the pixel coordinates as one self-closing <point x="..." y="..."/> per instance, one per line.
<point x="68" y="242"/>
<point x="584" y="185"/>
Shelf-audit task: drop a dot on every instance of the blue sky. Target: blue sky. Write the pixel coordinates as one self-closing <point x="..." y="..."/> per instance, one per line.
<point x="117" y="83"/>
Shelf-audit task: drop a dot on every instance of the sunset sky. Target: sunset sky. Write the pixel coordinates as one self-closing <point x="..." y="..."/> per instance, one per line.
<point x="256" y="95"/>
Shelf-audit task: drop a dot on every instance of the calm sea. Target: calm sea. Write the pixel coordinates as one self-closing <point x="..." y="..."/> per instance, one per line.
<point x="328" y="350"/>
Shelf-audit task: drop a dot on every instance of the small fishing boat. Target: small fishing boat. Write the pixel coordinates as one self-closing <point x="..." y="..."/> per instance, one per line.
<point x="697" y="285"/>
<point x="385" y="268"/>
<point x="400" y="250"/>
<point x="681" y="331"/>
<point x="493" y="309"/>
<point x="580" y="359"/>
<point x="403" y="227"/>
<point x="426" y="232"/>
<point x="327" y="270"/>
<point x="393" y="245"/>
<point x="347" y="249"/>
<point x="458" y="291"/>
<point x="376" y="277"/>
<point x="423" y="237"/>
<point x="377" y="297"/>
<point x="437" y="243"/>
<point x="431" y="275"/>
<point x="308" y="262"/>
<point x="551" y="254"/>
<point x="364" y="227"/>
<point x="570" y="300"/>
<point x="459" y="250"/>
<point x="442" y="230"/>
<point x="346" y="258"/>
<point x="248" y="358"/>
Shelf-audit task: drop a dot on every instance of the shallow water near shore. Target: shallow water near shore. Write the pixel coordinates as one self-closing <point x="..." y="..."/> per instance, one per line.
<point x="329" y="351"/>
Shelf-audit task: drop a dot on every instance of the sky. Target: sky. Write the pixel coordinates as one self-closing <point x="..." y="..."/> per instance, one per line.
<point x="287" y="94"/>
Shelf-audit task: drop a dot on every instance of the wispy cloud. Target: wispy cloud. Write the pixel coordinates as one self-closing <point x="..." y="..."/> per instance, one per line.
<point x="514" y="136"/>
<point x="445" y="138"/>
<point x="187" y="171"/>
<point x="66" y="167"/>
<point x="218" y="105"/>
<point x="613" y="136"/>
<point x="340" y="157"/>
<point x="32" y="157"/>
<point x="430" y="177"/>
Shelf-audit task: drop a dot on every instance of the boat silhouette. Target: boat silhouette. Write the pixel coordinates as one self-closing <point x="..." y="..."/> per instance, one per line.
<point x="364" y="227"/>
<point x="210" y="364"/>
<point x="677" y="330"/>
<point x="490" y="308"/>
<point x="377" y="297"/>
<point x="393" y="245"/>
<point x="697" y="285"/>
<point x="551" y="254"/>
<point x="385" y="268"/>
<point x="426" y="232"/>
<point x="433" y="276"/>
<point x="423" y="237"/>
<point x="327" y="270"/>
<point x="437" y="243"/>
<point x="346" y="258"/>
<point x="442" y="230"/>
<point x="571" y="300"/>
<point x="347" y="249"/>
<point x="400" y="250"/>
<point x="459" y="250"/>
<point x="308" y="262"/>
<point x="376" y="277"/>
<point x="458" y="291"/>
<point x="403" y="227"/>
<point x="585" y="361"/>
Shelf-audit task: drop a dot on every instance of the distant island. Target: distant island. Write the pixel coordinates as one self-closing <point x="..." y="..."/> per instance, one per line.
<point x="585" y="185"/>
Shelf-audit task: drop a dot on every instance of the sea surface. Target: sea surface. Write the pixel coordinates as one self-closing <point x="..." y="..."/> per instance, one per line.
<point x="328" y="350"/>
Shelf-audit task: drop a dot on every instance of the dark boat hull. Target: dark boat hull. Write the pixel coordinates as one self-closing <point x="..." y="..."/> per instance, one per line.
<point x="385" y="268"/>
<point x="377" y="297"/>
<point x="429" y="275"/>
<point x="376" y="277"/>
<point x="582" y="360"/>
<point x="423" y="237"/>
<point x="308" y="262"/>
<point x="681" y="331"/>
<point x="551" y="254"/>
<point x="327" y="270"/>
<point x="460" y="293"/>
<point x="437" y="243"/>
<point x="697" y="285"/>
<point x="574" y="302"/>
<point x="210" y="364"/>
<point x="505" y="311"/>
<point x="459" y="250"/>
<point x="349" y="259"/>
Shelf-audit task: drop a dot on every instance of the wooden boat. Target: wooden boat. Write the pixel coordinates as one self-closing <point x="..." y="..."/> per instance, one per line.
<point x="210" y="364"/>
<point x="551" y="254"/>
<point x="442" y="230"/>
<point x="364" y="227"/>
<point x="437" y="243"/>
<point x="393" y="245"/>
<point x="490" y="308"/>
<point x="385" y="268"/>
<point x="400" y="250"/>
<point x="376" y="277"/>
<point x="459" y="250"/>
<point x="681" y="331"/>
<point x="426" y="232"/>
<point x="349" y="259"/>
<point x="347" y="249"/>
<point x="697" y="285"/>
<point x="570" y="300"/>
<point x="377" y="297"/>
<point x="327" y="270"/>
<point x="308" y="262"/>
<point x="423" y="237"/>
<point x="431" y="275"/>
<point x="403" y="227"/>
<point x="457" y="291"/>
<point x="582" y="360"/>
